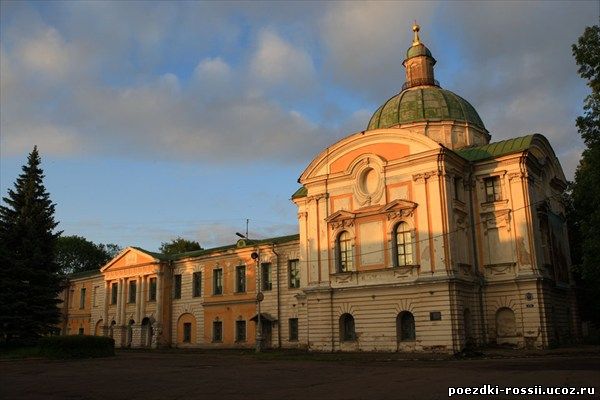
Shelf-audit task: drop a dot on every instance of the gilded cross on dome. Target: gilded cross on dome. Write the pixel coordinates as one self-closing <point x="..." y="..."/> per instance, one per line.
<point x="416" y="29"/>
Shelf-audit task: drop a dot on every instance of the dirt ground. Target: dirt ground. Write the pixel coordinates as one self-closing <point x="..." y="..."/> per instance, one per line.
<point x="177" y="374"/>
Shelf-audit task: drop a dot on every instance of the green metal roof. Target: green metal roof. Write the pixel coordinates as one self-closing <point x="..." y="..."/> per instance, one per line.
<point x="196" y="253"/>
<point x="497" y="149"/>
<point x="429" y="103"/>
<point x="160" y="256"/>
<point x="301" y="192"/>
<point x="418" y="50"/>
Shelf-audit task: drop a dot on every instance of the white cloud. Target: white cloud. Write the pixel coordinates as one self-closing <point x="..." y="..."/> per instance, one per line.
<point x="46" y="54"/>
<point x="366" y="43"/>
<point x="212" y="68"/>
<point x="277" y="61"/>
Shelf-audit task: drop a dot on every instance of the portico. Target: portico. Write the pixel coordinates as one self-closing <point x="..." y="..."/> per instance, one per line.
<point x="133" y="306"/>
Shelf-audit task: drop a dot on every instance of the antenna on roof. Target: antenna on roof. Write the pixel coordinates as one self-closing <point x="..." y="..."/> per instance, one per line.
<point x="247" y="221"/>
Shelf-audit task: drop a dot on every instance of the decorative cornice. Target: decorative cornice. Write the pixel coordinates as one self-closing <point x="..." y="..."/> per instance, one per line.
<point x="423" y="176"/>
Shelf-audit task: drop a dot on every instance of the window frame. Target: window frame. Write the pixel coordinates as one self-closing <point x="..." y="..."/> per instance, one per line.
<point x="344" y="252"/>
<point x="177" y="286"/>
<point x="131" y="299"/>
<point x="293" y="328"/>
<point x="238" y="337"/>
<point x="294" y="274"/>
<point x="494" y="184"/>
<point x="152" y="289"/>
<point x="114" y="293"/>
<point x="407" y="253"/>
<point x="197" y="284"/>
<point x="82" y="292"/>
<point x="187" y="332"/>
<point x="265" y="277"/>
<point x="401" y="330"/>
<point x="217" y="281"/>
<point x="218" y="324"/>
<point x="240" y="279"/>
<point x="347" y="328"/>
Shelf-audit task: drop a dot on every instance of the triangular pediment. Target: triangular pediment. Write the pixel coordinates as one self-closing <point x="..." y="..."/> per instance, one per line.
<point x="340" y="215"/>
<point x="399" y="204"/>
<point x="129" y="257"/>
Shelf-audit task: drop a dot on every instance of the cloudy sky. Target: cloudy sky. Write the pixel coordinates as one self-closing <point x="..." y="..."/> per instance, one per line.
<point x="157" y="120"/>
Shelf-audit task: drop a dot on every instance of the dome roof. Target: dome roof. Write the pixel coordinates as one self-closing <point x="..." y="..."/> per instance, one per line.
<point x="424" y="103"/>
<point x="418" y="50"/>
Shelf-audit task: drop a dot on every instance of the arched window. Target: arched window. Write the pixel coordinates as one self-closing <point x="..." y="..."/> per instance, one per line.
<point x="347" y="332"/>
<point x="344" y="252"/>
<point x="403" y="246"/>
<point x="405" y="326"/>
<point x="186" y="329"/>
<point x="506" y="324"/>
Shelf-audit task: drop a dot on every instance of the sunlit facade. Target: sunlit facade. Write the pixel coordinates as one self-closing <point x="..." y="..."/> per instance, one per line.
<point x="417" y="234"/>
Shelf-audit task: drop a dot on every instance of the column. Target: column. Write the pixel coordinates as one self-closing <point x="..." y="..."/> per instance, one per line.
<point x="138" y="299"/>
<point x="159" y="296"/>
<point x="124" y="301"/>
<point x="105" y="320"/>
<point x="143" y="298"/>
<point x="156" y="337"/>
<point x="118" y="309"/>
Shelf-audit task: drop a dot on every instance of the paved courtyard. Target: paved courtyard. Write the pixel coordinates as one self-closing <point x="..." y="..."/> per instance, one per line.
<point x="234" y="375"/>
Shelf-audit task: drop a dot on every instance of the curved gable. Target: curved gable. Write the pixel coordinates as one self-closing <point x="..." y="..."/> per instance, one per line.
<point x="542" y="150"/>
<point x="387" y="144"/>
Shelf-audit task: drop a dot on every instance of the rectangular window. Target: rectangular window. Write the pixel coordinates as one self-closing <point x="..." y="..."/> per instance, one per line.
<point x="177" y="286"/>
<point x="114" y="293"/>
<point x="240" y="331"/>
<point x="293" y="325"/>
<point x="240" y="279"/>
<point x="217" y="331"/>
<point x="81" y="331"/>
<point x="218" y="281"/>
<point x="187" y="332"/>
<point x="492" y="189"/>
<point x="132" y="291"/>
<point x="152" y="290"/>
<point x="294" y="274"/>
<point x="95" y="301"/>
<point x="197" y="284"/>
<point x="265" y="277"/>
<point x="457" y="188"/>
<point x="82" y="298"/>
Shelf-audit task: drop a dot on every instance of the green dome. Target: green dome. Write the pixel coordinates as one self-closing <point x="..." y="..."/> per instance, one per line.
<point x="425" y="103"/>
<point x="418" y="50"/>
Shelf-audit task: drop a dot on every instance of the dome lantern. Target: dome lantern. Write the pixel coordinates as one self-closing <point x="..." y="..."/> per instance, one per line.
<point x="428" y="109"/>
<point x="419" y="63"/>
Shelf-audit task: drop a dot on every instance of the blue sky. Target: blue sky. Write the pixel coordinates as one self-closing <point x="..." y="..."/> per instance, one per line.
<point x="164" y="119"/>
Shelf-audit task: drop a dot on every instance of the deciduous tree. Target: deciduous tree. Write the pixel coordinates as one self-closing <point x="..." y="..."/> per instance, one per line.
<point x="179" y="245"/>
<point x="586" y="187"/>
<point x="76" y="254"/>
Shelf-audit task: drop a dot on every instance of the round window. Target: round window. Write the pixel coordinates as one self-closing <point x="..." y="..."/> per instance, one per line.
<point x="369" y="180"/>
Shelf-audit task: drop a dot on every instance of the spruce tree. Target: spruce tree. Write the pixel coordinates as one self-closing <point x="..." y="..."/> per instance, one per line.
<point x="29" y="275"/>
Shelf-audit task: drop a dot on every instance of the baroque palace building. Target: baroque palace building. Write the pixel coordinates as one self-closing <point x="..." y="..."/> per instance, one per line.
<point x="416" y="234"/>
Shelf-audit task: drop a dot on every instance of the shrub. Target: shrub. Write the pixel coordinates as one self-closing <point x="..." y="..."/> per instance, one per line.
<point x="76" y="346"/>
